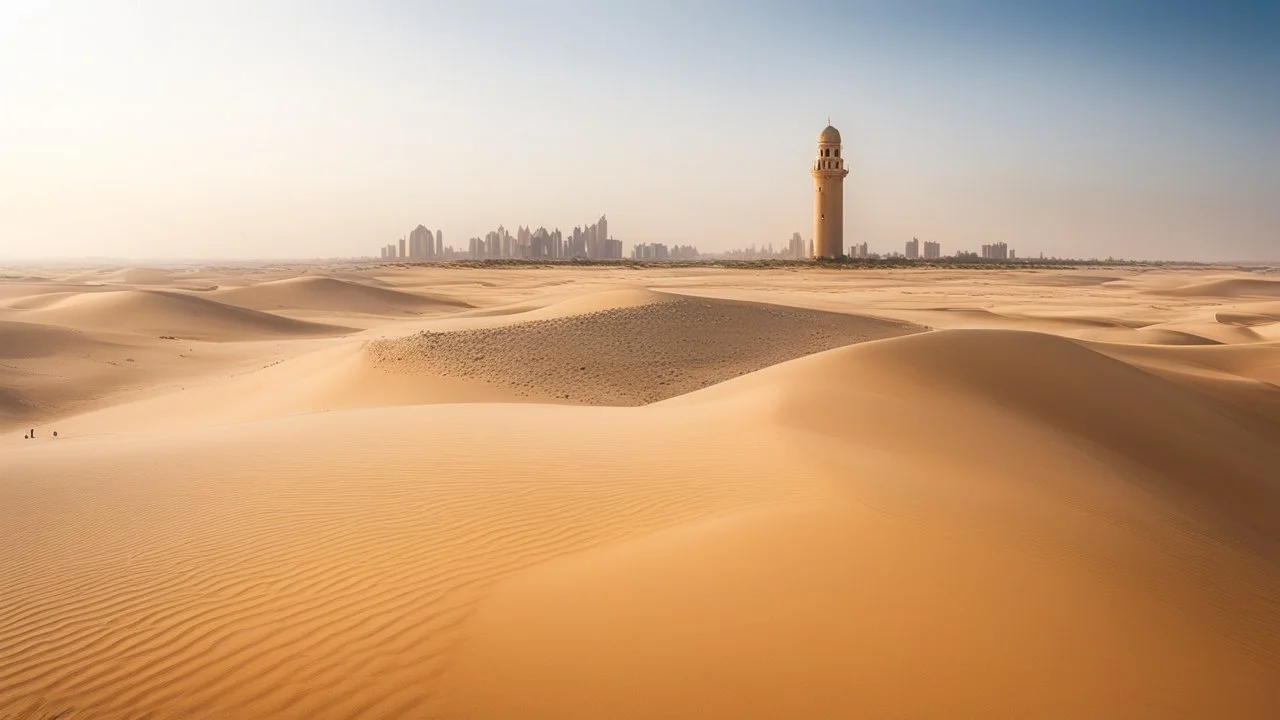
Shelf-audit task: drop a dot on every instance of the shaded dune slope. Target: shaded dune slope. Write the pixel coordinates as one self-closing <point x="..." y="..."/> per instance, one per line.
<point x="158" y="312"/>
<point x="36" y="362"/>
<point x="657" y="347"/>
<point x="335" y="295"/>
<point x="21" y="341"/>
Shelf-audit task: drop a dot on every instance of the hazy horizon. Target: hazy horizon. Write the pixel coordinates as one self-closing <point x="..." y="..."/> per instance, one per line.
<point x="230" y="131"/>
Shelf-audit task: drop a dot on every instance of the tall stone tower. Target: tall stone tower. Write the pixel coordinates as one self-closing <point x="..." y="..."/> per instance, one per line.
<point x="828" y="196"/>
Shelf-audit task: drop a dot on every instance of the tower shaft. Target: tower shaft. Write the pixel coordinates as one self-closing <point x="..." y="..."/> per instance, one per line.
<point x="828" y="174"/>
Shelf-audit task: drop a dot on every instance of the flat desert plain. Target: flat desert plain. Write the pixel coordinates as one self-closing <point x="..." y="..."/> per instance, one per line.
<point x="382" y="491"/>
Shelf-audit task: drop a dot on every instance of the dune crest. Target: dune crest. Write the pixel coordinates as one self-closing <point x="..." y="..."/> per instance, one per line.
<point x="334" y="295"/>
<point x="159" y="312"/>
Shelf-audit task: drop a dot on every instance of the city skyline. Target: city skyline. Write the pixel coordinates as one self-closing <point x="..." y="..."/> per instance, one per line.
<point x="239" y="131"/>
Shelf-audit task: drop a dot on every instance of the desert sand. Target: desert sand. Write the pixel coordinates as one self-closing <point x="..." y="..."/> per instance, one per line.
<point x="372" y="491"/>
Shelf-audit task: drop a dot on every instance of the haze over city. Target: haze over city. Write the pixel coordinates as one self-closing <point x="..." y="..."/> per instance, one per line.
<point x="243" y="130"/>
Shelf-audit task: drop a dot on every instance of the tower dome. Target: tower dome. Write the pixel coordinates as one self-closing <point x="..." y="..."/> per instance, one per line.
<point x="829" y="136"/>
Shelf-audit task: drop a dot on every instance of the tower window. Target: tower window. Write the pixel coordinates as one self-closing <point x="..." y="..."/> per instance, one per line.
<point x="837" y="152"/>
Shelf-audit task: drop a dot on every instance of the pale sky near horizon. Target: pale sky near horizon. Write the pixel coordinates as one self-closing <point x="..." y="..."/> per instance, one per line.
<point x="241" y="130"/>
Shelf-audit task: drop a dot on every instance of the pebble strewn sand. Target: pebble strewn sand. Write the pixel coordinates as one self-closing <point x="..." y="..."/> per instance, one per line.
<point x="632" y="355"/>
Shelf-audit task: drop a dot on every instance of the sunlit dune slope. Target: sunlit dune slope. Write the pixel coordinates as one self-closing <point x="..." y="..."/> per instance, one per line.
<point x="1017" y="526"/>
<point x="654" y="347"/>
<point x="157" y="312"/>
<point x="323" y="565"/>
<point x="338" y="378"/>
<point x="334" y="295"/>
<point x="1228" y="288"/>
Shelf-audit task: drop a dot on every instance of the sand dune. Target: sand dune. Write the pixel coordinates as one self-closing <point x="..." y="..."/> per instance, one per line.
<point x="791" y="537"/>
<point x="20" y="340"/>
<point x="1147" y="336"/>
<point x="629" y="355"/>
<point x="814" y="513"/>
<point x="158" y="312"/>
<point x="332" y="583"/>
<point x="986" y="486"/>
<point x="1246" y="319"/>
<point x="1211" y="331"/>
<point x="39" y="363"/>
<point x="338" y="378"/>
<point x="138" y="276"/>
<point x="583" y="304"/>
<point x="333" y="295"/>
<point x="1229" y="288"/>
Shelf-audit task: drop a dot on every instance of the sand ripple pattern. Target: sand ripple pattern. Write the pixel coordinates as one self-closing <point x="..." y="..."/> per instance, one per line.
<point x="262" y="583"/>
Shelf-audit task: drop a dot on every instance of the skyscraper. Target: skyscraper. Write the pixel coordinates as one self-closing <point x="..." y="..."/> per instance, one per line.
<point x="828" y="196"/>
<point x="795" y="249"/>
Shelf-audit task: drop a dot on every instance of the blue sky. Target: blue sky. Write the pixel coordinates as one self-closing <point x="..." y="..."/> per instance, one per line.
<point x="239" y="130"/>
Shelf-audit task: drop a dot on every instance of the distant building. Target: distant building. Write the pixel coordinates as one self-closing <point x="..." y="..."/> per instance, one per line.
<point x="913" y="249"/>
<point x="858" y="251"/>
<point x="422" y="243"/>
<point x="932" y="250"/>
<point x="650" y="251"/>
<point x="795" y="248"/>
<point x="995" y="251"/>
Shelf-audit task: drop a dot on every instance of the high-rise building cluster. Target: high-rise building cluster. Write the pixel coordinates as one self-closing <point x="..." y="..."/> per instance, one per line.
<point x="859" y="250"/>
<point x="591" y="243"/>
<point x="526" y="244"/>
<point x="797" y="248"/>
<point x="995" y="251"/>
<point x="420" y="244"/>
<point x="660" y="251"/>
<point x="650" y="251"/>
